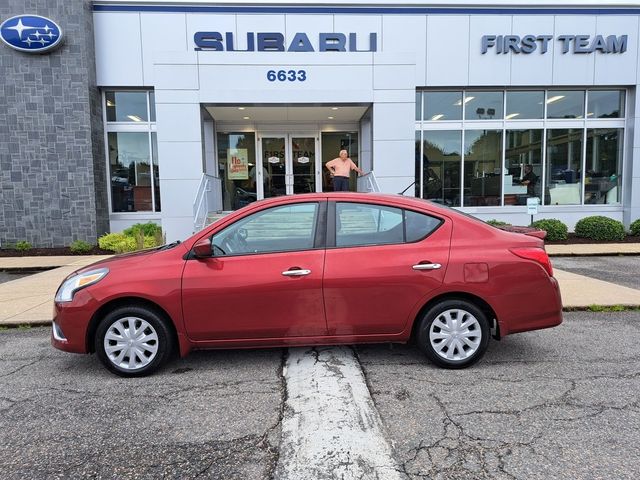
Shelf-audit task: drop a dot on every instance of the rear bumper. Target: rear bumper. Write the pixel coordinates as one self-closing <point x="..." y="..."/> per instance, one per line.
<point x="71" y="321"/>
<point x="542" y="309"/>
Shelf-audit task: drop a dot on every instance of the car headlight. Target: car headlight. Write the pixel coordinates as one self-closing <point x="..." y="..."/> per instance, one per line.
<point x="71" y="285"/>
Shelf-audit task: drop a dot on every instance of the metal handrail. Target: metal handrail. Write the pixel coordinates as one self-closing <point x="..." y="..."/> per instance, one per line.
<point x="209" y="187"/>
<point x="368" y="183"/>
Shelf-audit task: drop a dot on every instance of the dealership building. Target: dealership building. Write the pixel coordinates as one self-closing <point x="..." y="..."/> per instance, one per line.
<point x="114" y="113"/>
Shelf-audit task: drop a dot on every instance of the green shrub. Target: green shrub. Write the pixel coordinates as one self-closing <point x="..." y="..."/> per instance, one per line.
<point x="80" y="246"/>
<point x="121" y="243"/>
<point x="23" y="246"/>
<point x="556" y="230"/>
<point x="148" y="229"/>
<point x="635" y="227"/>
<point x="600" y="228"/>
<point x="498" y="223"/>
<point x="117" y="242"/>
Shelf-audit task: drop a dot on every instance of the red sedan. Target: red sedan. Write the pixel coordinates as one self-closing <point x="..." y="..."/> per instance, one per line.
<point x="316" y="269"/>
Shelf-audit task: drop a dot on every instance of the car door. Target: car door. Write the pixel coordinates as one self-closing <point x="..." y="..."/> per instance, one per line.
<point x="380" y="262"/>
<point x="264" y="279"/>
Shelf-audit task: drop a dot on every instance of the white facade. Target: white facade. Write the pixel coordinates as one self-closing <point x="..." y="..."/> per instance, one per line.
<point x="154" y="47"/>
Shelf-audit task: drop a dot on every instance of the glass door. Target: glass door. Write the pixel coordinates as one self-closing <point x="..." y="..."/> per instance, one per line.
<point x="275" y="154"/>
<point x="289" y="164"/>
<point x="303" y="164"/>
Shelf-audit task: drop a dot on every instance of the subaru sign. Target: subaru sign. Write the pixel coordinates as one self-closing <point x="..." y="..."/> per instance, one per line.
<point x="275" y="42"/>
<point x="31" y="33"/>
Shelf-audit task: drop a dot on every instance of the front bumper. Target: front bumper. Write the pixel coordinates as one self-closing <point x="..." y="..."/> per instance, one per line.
<point x="71" y="322"/>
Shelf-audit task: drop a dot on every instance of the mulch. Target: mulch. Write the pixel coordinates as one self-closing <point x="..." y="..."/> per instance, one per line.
<point x="573" y="240"/>
<point x="49" y="252"/>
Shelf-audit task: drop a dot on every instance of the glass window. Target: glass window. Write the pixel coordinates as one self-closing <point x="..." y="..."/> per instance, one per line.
<point x="564" y="161"/>
<point x="363" y="224"/>
<point x="483" y="105"/>
<point x="126" y="106"/>
<point x="565" y="104"/>
<point x="525" y="105"/>
<point x="278" y="229"/>
<point x="523" y="166"/>
<point x="603" y="165"/>
<point x="130" y="171"/>
<point x="418" y="225"/>
<point x="482" y="167"/>
<point x="418" y="106"/>
<point x="442" y="106"/>
<point x="237" y="169"/>
<point x="441" y="167"/>
<point x="156" y="171"/>
<point x="419" y="164"/>
<point x="605" y="104"/>
<point x="152" y="106"/>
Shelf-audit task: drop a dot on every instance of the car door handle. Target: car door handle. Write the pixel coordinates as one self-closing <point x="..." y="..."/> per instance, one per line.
<point x="427" y="266"/>
<point x="300" y="272"/>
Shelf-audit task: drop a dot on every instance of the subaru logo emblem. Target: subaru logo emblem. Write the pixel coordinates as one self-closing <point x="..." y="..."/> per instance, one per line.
<point x="31" y="33"/>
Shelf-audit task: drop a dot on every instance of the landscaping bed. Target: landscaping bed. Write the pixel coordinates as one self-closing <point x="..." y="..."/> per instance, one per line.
<point x="573" y="240"/>
<point x="49" y="252"/>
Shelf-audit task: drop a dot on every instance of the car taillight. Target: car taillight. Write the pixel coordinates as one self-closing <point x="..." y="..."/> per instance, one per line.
<point x="535" y="254"/>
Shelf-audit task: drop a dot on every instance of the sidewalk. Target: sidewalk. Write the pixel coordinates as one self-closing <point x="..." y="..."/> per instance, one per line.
<point x="594" y="249"/>
<point x="29" y="300"/>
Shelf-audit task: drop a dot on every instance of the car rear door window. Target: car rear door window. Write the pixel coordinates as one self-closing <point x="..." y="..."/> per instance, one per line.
<point x="360" y="224"/>
<point x="278" y="229"/>
<point x="419" y="225"/>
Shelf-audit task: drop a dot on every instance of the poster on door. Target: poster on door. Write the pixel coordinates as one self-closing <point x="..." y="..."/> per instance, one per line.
<point x="237" y="164"/>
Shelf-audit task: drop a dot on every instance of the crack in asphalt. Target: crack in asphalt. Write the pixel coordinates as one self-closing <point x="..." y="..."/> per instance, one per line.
<point x="22" y="367"/>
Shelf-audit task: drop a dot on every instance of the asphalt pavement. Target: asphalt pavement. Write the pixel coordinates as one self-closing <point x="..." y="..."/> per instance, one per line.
<point x="557" y="403"/>
<point x="621" y="270"/>
<point x="212" y="415"/>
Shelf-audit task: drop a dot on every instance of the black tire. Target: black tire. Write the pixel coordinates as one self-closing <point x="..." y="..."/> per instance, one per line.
<point x="462" y="354"/>
<point x="140" y="317"/>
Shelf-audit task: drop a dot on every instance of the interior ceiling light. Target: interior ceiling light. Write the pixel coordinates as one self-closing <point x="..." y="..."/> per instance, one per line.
<point x="135" y="118"/>
<point x="511" y="115"/>
<point x="241" y="108"/>
<point x="246" y="118"/>
<point x="330" y="118"/>
<point x="437" y="117"/>
<point x="334" y="108"/>
<point x="110" y="103"/>
<point x="466" y="100"/>
<point x="554" y="99"/>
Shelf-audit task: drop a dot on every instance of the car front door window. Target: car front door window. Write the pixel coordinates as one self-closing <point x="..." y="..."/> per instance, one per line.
<point x="278" y="229"/>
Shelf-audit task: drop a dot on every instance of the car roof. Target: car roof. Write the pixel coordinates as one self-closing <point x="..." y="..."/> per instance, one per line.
<point x="384" y="198"/>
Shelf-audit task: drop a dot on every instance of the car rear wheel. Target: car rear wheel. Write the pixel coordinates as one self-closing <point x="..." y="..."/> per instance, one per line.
<point x="133" y="341"/>
<point x="453" y="333"/>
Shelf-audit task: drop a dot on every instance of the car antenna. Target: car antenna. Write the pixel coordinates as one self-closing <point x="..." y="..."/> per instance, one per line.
<point x="402" y="192"/>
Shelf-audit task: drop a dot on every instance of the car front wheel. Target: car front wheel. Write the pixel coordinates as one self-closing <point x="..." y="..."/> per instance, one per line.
<point x="133" y="341"/>
<point x="454" y="333"/>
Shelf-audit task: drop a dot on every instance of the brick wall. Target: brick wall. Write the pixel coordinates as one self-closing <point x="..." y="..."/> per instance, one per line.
<point x="52" y="168"/>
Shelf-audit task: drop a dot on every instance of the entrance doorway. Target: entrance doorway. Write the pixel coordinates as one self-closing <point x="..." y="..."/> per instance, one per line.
<point x="289" y="164"/>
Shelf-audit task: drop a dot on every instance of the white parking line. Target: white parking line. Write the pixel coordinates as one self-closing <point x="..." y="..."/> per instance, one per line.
<point x="330" y="427"/>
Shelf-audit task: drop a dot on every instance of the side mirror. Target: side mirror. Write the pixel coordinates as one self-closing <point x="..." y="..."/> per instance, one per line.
<point x="202" y="248"/>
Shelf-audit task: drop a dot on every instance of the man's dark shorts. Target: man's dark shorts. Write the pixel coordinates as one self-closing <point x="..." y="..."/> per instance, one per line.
<point x="340" y="184"/>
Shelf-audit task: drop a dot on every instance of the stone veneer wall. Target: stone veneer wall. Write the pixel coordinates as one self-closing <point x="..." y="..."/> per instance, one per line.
<point x="52" y="168"/>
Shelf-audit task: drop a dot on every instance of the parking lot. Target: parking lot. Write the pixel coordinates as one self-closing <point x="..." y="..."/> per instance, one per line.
<point x="622" y="270"/>
<point x="558" y="403"/>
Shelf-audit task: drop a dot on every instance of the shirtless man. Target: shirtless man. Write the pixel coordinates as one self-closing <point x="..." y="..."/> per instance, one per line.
<point x="340" y="169"/>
